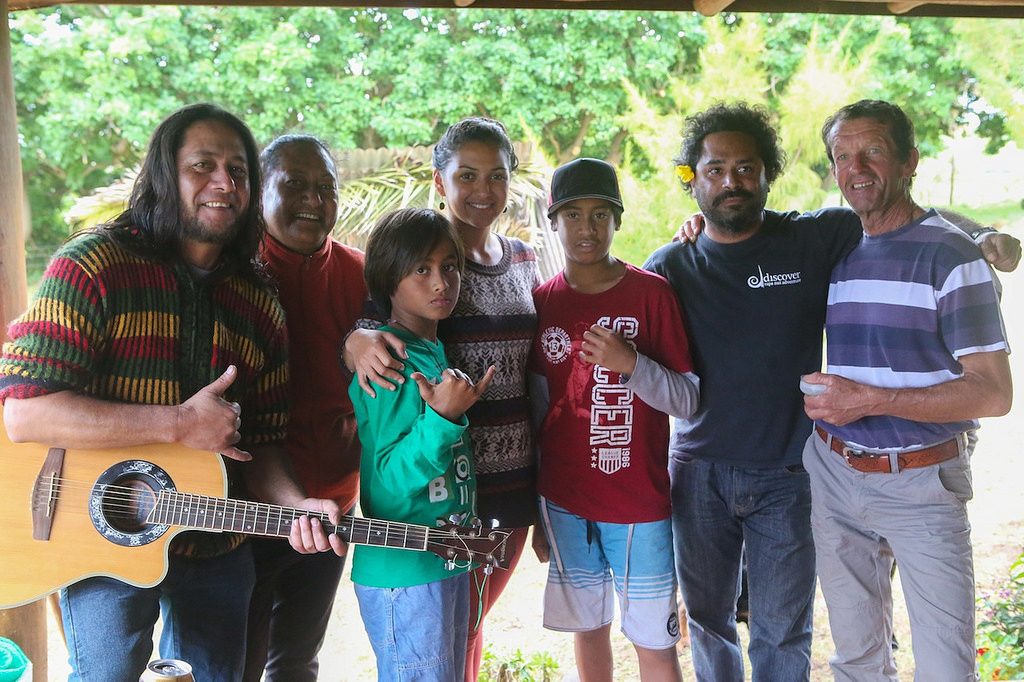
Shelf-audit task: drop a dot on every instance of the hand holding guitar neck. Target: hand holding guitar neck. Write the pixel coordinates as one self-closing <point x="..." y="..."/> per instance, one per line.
<point x="71" y="514"/>
<point x="304" y="539"/>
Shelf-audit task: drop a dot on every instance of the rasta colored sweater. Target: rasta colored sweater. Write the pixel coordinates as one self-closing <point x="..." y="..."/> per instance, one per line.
<point x="118" y="327"/>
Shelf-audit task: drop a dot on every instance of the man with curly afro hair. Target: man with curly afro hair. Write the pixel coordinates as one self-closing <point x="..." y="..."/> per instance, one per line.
<point x="754" y="286"/>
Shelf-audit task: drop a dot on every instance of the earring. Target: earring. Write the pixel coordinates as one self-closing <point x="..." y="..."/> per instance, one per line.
<point x="442" y="204"/>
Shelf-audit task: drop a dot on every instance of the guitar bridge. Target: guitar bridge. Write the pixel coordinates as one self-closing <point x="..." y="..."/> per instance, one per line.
<point x="44" y="494"/>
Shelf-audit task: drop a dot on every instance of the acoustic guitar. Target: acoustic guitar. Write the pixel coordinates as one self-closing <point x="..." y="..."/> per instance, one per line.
<point x="71" y="515"/>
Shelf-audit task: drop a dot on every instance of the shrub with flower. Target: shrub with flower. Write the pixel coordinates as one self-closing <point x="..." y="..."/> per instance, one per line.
<point x="1000" y="632"/>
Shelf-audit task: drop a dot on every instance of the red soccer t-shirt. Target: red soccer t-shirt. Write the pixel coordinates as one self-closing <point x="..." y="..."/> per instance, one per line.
<point x="604" y="452"/>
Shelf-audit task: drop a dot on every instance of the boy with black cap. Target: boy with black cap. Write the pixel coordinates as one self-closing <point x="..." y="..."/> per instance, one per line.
<point x="610" y="360"/>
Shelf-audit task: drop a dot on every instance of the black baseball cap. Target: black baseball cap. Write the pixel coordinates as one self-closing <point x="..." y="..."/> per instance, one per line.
<point x="584" y="179"/>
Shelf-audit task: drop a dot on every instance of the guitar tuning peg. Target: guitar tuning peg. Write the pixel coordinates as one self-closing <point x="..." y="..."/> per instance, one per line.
<point x="489" y="567"/>
<point x="449" y="565"/>
<point x="459" y="519"/>
<point x="494" y="523"/>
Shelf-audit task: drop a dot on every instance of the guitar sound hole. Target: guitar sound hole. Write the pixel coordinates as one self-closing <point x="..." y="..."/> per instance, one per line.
<point x="122" y="498"/>
<point x="127" y="503"/>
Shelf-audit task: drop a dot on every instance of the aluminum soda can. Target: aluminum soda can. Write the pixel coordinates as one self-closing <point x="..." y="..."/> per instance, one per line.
<point x="167" y="670"/>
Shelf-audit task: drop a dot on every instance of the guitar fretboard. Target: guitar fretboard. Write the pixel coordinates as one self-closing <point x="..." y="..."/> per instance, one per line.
<point x="201" y="512"/>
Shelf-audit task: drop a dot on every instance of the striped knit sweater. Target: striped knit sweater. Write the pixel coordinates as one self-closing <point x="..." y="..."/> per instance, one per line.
<point x="122" y="328"/>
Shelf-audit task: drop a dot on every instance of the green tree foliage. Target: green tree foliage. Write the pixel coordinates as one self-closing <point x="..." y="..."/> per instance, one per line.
<point x="93" y="81"/>
<point x="911" y="61"/>
<point x="1000" y="80"/>
<point x="733" y="69"/>
<point x="802" y="68"/>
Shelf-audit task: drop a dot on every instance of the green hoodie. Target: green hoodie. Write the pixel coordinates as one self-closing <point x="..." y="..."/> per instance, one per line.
<point x="417" y="467"/>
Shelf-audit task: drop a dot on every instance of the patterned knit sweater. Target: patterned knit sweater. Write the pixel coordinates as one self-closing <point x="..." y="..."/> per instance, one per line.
<point x="494" y="323"/>
<point x="122" y="328"/>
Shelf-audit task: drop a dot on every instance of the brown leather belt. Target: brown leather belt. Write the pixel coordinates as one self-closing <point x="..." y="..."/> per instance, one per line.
<point x="890" y="462"/>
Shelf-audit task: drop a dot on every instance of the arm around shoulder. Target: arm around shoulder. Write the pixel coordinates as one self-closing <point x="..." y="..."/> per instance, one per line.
<point x="365" y="352"/>
<point x="1001" y="250"/>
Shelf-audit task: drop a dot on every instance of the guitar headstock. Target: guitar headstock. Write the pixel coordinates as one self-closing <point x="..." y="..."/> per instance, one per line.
<point x="487" y="546"/>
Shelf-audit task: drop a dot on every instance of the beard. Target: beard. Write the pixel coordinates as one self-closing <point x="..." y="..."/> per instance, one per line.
<point x="735" y="220"/>
<point x="199" y="231"/>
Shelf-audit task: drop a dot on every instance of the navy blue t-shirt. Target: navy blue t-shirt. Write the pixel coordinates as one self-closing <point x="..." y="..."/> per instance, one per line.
<point x="755" y="311"/>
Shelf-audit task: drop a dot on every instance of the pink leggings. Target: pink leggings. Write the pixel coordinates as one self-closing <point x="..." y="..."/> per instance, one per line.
<point x="484" y="591"/>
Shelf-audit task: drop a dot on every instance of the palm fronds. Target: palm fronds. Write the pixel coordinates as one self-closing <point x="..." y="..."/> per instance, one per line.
<point x="405" y="180"/>
<point x="408" y="181"/>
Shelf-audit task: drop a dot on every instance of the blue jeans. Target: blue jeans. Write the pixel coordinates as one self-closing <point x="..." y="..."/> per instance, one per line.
<point x="719" y="512"/>
<point x="109" y="624"/>
<point x="289" y="612"/>
<point x="418" y="633"/>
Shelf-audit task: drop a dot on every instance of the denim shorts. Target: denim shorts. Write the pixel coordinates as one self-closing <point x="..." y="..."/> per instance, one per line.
<point x="418" y="633"/>
<point x="592" y="562"/>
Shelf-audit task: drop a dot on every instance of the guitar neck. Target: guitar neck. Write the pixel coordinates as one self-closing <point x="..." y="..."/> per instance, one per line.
<point x="202" y="512"/>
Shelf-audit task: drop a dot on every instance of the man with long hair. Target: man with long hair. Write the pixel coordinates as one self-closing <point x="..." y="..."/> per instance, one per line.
<point x="157" y="328"/>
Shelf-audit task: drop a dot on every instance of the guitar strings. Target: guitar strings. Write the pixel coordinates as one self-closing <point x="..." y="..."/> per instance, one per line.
<point x="121" y="498"/>
<point x="138" y="506"/>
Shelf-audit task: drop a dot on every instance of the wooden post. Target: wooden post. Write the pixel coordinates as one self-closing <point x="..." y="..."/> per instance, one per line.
<point x="12" y="196"/>
<point x="25" y="625"/>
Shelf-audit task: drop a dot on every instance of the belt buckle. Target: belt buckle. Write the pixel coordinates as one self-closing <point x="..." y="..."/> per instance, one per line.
<point x="849" y="452"/>
<point x="895" y="461"/>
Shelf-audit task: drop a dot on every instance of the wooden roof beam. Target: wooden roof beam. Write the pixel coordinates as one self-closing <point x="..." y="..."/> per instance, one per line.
<point x="909" y="5"/>
<point x="903" y="7"/>
<point x="710" y="8"/>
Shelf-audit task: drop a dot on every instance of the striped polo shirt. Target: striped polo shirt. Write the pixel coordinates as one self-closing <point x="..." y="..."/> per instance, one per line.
<point x="902" y="308"/>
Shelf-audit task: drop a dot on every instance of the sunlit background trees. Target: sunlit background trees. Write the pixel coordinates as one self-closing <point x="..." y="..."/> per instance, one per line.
<point x="92" y="82"/>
